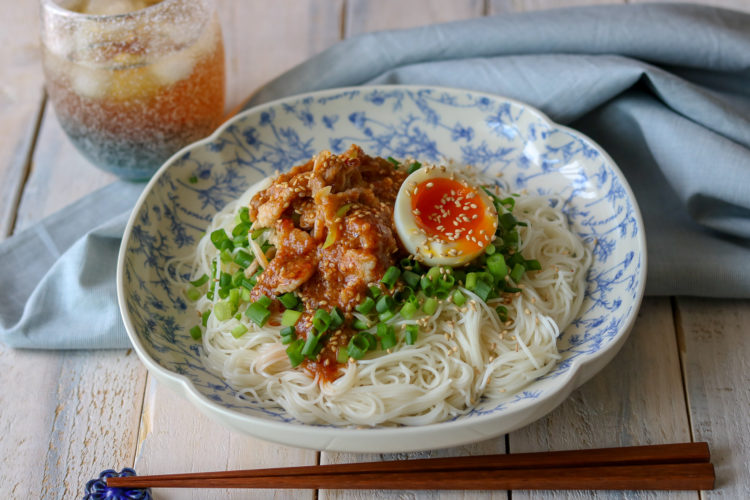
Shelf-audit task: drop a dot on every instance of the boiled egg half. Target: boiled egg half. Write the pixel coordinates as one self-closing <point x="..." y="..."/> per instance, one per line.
<point x="443" y="219"/>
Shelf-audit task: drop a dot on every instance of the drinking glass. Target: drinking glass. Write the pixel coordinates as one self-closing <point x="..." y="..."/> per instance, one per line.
<point x="133" y="81"/>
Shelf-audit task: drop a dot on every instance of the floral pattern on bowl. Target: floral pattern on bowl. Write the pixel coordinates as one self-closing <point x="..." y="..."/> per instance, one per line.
<point x="510" y="141"/>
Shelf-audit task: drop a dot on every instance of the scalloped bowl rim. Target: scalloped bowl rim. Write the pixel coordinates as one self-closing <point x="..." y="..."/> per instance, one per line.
<point x="581" y="368"/>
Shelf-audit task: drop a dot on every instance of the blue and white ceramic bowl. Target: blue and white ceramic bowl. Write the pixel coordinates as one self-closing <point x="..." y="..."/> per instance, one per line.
<point x="496" y="134"/>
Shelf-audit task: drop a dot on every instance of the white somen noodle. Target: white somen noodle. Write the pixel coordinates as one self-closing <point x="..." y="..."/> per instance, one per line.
<point x="462" y="354"/>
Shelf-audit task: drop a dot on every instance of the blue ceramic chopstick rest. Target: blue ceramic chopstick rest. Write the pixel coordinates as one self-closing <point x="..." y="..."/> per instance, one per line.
<point x="97" y="489"/>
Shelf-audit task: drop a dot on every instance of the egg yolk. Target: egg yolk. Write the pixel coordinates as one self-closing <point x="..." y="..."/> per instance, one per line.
<point x="453" y="212"/>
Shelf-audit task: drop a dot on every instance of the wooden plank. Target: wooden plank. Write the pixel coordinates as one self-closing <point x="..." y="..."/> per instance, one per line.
<point x="176" y="437"/>
<point x="262" y="39"/>
<point x="508" y="6"/>
<point x="65" y="417"/>
<point x="21" y="93"/>
<point x="363" y="16"/>
<point x="59" y="174"/>
<point x="636" y="400"/>
<point x="715" y="352"/>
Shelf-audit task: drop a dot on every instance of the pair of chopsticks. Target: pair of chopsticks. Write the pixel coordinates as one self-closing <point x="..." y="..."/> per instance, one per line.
<point x="684" y="466"/>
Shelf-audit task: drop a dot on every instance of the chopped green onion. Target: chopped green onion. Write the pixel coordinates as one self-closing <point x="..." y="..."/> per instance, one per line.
<point x="385" y="303"/>
<point x="321" y="320"/>
<point x="414" y="167"/>
<point x="289" y="300"/>
<point x="410" y="278"/>
<point x="222" y="311"/>
<point x="200" y="281"/>
<point x="243" y="259"/>
<point x="433" y="273"/>
<point x="517" y="272"/>
<point x="358" y="324"/>
<point x="482" y="289"/>
<point x="387" y="336"/>
<point x="195" y="332"/>
<point x="358" y="346"/>
<point x="393" y="161"/>
<point x="241" y="229"/>
<point x="246" y="284"/>
<point x="258" y="311"/>
<point x="219" y="237"/>
<point x="343" y="209"/>
<point x="294" y="352"/>
<point x="337" y="318"/>
<point x="330" y="239"/>
<point x="192" y="179"/>
<point x="244" y="294"/>
<point x="365" y="306"/>
<point x="288" y="334"/>
<point x="290" y="317"/>
<point x="490" y="250"/>
<point x="225" y="255"/>
<point x="223" y="293"/>
<point x="502" y="313"/>
<point x="234" y="299"/>
<point x="391" y="276"/>
<point x="342" y="355"/>
<point x="459" y="298"/>
<point x="508" y="202"/>
<point x="427" y="285"/>
<point x="256" y="234"/>
<point x="240" y="241"/>
<point x="408" y="310"/>
<point x="532" y="265"/>
<point x="430" y="306"/>
<point x="204" y="317"/>
<point x="244" y="214"/>
<point x="237" y="277"/>
<point x="225" y="280"/>
<point x="446" y="283"/>
<point x="193" y="293"/>
<point x="471" y="281"/>
<point x="372" y="342"/>
<point x="411" y="334"/>
<point x="375" y="292"/>
<point x="311" y="343"/>
<point x="496" y="266"/>
<point x="385" y="316"/>
<point x="510" y="239"/>
<point x="238" y="331"/>
<point x="507" y="221"/>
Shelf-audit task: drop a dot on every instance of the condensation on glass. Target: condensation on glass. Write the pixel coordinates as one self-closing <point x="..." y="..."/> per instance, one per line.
<point x="133" y="81"/>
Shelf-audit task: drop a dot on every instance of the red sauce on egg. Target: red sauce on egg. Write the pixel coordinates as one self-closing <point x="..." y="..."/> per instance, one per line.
<point x="452" y="211"/>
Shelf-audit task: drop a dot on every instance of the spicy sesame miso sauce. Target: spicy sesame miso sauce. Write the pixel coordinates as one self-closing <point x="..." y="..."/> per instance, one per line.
<point x="334" y="238"/>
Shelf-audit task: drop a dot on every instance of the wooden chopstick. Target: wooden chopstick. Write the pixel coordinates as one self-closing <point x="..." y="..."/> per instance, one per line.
<point x="682" y="466"/>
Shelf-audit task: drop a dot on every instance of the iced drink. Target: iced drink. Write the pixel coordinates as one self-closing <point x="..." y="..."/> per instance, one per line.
<point x="133" y="81"/>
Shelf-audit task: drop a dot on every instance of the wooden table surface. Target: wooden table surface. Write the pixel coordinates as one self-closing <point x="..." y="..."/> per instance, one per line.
<point x="65" y="416"/>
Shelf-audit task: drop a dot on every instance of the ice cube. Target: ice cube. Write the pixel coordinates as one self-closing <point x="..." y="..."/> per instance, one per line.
<point x="173" y="67"/>
<point x="89" y="82"/>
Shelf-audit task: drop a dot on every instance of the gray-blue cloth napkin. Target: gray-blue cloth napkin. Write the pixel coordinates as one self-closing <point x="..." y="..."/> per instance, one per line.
<point x="665" y="89"/>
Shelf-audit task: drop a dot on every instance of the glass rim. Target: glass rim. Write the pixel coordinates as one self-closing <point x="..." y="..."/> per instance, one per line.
<point x="54" y="7"/>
